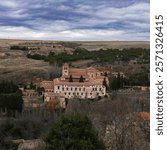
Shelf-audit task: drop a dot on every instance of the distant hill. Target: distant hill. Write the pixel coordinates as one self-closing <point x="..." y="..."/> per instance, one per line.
<point x="90" y="45"/>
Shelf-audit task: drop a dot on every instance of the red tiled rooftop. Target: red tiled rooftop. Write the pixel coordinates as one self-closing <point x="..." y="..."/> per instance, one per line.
<point x="89" y="83"/>
<point x="104" y="68"/>
<point x="47" y="84"/>
<point x="77" y="72"/>
<point x="143" y="115"/>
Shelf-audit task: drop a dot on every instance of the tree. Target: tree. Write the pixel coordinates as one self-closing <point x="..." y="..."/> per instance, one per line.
<point x="81" y="79"/>
<point x="10" y="97"/>
<point x="105" y="83"/>
<point x="32" y="86"/>
<point x="73" y="132"/>
<point x="70" y="78"/>
<point x="54" y="71"/>
<point x="116" y="82"/>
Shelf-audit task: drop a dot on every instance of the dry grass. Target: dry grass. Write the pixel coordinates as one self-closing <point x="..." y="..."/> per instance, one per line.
<point x="115" y="44"/>
<point x="15" y="66"/>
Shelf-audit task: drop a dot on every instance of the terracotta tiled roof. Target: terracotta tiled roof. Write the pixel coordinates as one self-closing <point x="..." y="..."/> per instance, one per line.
<point x="104" y="68"/>
<point x="47" y="84"/>
<point x="77" y="72"/>
<point x="76" y="76"/>
<point x="37" y="80"/>
<point x="100" y="77"/>
<point x="89" y="83"/>
<point x="145" y="116"/>
<point x="91" y="69"/>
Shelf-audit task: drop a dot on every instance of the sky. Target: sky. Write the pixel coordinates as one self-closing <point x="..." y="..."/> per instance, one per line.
<point x="75" y="20"/>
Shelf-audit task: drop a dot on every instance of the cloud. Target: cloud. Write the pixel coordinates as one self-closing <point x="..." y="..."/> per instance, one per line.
<point x="75" y="20"/>
<point x="72" y="35"/>
<point x="8" y="3"/>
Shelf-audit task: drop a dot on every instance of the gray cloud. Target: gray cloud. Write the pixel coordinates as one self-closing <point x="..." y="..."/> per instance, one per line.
<point x="73" y="20"/>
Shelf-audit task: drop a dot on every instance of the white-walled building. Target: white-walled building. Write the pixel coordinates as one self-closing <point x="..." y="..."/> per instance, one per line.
<point x="80" y="83"/>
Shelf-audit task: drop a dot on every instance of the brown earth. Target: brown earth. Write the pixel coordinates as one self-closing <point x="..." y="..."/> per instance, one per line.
<point x="14" y="65"/>
<point x="22" y="69"/>
<point x="90" y="45"/>
<point x="115" y="44"/>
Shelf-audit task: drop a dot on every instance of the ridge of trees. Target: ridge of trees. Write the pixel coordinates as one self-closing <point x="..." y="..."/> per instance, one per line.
<point x="16" y="47"/>
<point x="109" y="55"/>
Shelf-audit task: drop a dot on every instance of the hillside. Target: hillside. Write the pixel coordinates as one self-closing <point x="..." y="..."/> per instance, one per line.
<point x="14" y="65"/>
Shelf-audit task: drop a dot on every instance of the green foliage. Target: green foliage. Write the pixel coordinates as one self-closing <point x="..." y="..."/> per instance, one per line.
<point x="10" y="97"/>
<point x="70" y="79"/>
<point x="16" y="47"/>
<point x="109" y="55"/>
<point x="116" y="82"/>
<point x="141" y="79"/>
<point x="73" y="132"/>
<point x="36" y="56"/>
<point x="12" y="129"/>
<point x="11" y="102"/>
<point x="81" y="79"/>
<point x="105" y="83"/>
<point x="8" y="87"/>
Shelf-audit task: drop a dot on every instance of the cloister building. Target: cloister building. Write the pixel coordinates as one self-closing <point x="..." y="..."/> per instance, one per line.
<point x="75" y="82"/>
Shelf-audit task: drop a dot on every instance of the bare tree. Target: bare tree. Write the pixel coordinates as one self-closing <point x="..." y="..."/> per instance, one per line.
<point x="54" y="71"/>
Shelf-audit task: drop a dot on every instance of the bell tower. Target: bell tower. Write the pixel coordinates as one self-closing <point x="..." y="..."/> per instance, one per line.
<point x="65" y="69"/>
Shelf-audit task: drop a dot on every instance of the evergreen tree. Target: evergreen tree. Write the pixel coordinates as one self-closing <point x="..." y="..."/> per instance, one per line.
<point x="105" y="83"/>
<point x="105" y="74"/>
<point x="70" y="79"/>
<point x="10" y="97"/>
<point x="73" y="132"/>
<point x="114" y="84"/>
<point x="121" y="81"/>
<point x="81" y="79"/>
<point x="118" y="80"/>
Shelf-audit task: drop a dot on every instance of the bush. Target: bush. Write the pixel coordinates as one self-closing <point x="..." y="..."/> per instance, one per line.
<point x="73" y="132"/>
<point x="10" y="97"/>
